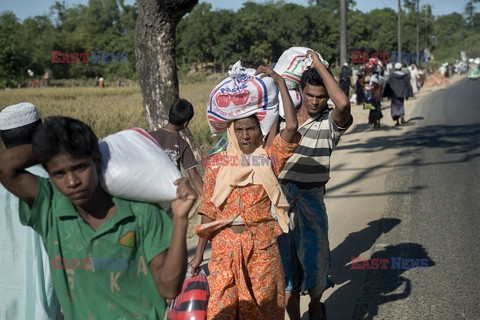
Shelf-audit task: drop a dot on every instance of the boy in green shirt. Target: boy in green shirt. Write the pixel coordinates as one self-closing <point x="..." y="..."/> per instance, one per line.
<point x="111" y="258"/>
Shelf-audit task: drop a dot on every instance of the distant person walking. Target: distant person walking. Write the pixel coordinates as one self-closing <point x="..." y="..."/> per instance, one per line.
<point x="398" y="88"/>
<point x="376" y="89"/>
<point x="413" y="78"/>
<point x="360" y="89"/>
<point x="345" y="80"/>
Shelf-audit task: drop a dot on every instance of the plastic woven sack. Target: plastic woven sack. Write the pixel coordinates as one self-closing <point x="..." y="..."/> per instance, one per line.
<point x="296" y="96"/>
<point x="242" y="95"/>
<point x="191" y="303"/>
<point x="134" y="167"/>
<point x="292" y="63"/>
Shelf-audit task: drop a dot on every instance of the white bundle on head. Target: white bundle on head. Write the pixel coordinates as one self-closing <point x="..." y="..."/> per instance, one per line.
<point x="291" y="65"/>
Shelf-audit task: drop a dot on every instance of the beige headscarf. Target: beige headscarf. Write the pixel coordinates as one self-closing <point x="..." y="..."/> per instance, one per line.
<point x="230" y="176"/>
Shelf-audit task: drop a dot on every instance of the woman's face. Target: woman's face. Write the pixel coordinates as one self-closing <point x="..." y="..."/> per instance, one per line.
<point x="248" y="133"/>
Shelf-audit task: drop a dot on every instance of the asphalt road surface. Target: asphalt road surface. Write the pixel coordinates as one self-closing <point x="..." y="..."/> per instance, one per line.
<point x="432" y="214"/>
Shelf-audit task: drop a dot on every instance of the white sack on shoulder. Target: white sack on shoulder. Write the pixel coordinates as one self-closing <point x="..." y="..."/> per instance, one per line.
<point x="292" y="63"/>
<point x="134" y="167"/>
<point x="241" y="95"/>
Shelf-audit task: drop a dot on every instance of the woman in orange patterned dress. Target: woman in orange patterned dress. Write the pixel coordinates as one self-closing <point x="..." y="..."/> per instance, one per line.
<point x="246" y="276"/>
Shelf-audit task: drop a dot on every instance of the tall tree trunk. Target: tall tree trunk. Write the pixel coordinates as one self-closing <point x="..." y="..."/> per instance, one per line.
<point x="156" y="64"/>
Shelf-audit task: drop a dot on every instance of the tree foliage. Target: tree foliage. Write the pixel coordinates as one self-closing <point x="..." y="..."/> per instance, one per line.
<point x="212" y="40"/>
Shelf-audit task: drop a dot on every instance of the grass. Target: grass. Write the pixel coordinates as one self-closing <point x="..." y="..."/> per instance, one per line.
<point x="109" y="110"/>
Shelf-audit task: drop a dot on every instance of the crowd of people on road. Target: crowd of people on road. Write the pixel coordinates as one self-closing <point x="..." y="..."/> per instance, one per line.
<point x="375" y="83"/>
<point x="267" y="224"/>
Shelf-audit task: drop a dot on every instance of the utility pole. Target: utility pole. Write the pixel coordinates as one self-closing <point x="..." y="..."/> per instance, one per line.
<point x="417" y="60"/>
<point x="399" y="32"/>
<point x="343" y="31"/>
<point x="426" y="27"/>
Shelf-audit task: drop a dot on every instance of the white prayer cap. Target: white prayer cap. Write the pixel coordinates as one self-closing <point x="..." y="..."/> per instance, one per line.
<point x="398" y="66"/>
<point x="18" y="115"/>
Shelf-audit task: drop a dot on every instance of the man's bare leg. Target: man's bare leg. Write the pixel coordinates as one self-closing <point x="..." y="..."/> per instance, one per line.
<point x="292" y="301"/>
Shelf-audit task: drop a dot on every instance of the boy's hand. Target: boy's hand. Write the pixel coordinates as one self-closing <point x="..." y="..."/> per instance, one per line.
<point x="186" y="197"/>
<point x="194" y="265"/>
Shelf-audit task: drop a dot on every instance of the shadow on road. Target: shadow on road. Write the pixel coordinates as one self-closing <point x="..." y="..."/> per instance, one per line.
<point x="353" y="246"/>
<point x="461" y="143"/>
<point x="454" y="139"/>
<point x="387" y="285"/>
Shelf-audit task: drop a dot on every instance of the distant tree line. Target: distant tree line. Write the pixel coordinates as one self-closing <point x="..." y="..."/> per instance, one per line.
<point x="212" y="40"/>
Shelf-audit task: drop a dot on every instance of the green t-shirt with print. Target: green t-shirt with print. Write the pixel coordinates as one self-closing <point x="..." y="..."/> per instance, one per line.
<point x="101" y="274"/>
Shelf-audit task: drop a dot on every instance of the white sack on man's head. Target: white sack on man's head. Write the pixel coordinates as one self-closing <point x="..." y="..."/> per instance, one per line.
<point x="292" y="63"/>
<point x="134" y="167"/>
<point x="241" y="95"/>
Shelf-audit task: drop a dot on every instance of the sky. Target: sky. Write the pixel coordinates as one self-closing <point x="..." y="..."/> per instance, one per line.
<point x="31" y="8"/>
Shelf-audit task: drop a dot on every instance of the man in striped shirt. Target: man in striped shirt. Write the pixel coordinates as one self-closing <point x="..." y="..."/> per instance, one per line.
<point x="305" y="250"/>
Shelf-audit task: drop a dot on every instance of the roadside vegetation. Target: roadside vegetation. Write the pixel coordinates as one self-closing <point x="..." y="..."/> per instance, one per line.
<point x="108" y="110"/>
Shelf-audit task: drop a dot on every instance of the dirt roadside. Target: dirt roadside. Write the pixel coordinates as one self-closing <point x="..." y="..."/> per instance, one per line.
<point x="355" y="200"/>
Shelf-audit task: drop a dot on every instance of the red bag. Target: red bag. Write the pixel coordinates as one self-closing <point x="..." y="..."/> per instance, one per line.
<point x="191" y="303"/>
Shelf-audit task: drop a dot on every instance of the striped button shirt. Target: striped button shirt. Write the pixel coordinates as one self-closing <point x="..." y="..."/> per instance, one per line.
<point x="309" y="166"/>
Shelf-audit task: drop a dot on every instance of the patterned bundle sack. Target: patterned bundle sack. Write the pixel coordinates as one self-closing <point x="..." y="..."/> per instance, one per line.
<point x="134" y="167"/>
<point x="241" y="95"/>
<point x="291" y="65"/>
<point x="191" y="303"/>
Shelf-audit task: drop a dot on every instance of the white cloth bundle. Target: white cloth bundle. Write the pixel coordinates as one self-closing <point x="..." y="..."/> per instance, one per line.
<point x="134" y="167"/>
<point x="242" y="95"/>
<point x="291" y="65"/>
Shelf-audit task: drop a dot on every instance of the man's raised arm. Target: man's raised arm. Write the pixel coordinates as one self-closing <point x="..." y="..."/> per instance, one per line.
<point x="13" y="175"/>
<point x="341" y="113"/>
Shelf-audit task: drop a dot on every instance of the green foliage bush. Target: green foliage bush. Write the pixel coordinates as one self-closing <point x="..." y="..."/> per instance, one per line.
<point x="210" y="41"/>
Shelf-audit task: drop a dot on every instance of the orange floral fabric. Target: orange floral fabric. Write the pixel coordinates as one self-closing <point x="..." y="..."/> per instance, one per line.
<point x="246" y="276"/>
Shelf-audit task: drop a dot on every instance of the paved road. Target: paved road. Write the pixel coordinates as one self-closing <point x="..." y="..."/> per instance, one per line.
<point x="433" y="214"/>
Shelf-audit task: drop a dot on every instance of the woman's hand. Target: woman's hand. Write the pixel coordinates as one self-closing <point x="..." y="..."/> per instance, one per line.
<point x="267" y="71"/>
